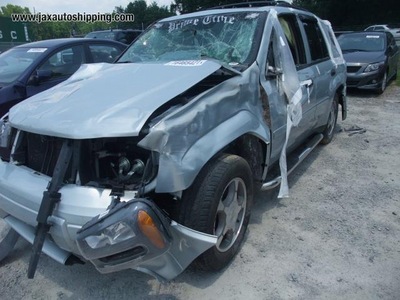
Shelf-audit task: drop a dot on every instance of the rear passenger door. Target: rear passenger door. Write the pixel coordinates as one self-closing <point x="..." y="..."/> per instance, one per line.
<point x="319" y="70"/>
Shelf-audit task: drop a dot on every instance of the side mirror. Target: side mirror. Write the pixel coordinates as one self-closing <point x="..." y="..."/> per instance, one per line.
<point x="39" y="76"/>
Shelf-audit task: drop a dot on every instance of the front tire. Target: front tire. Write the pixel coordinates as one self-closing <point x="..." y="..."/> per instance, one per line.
<point x="383" y="85"/>
<point x="219" y="203"/>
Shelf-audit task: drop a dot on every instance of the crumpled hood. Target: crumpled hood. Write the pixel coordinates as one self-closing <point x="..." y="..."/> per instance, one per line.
<point x="107" y="100"/>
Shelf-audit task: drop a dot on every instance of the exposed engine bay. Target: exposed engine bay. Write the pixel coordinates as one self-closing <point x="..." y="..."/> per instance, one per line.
<point x="103" y="163"/>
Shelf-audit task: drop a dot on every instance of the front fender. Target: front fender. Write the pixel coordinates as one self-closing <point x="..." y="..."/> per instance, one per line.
<point x="188" y="137"/>
<point x="177" y="175"/>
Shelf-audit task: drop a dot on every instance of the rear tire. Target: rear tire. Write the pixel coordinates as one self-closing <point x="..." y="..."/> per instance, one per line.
<point x="219" y="203"/>
<point x="329" y="130"/>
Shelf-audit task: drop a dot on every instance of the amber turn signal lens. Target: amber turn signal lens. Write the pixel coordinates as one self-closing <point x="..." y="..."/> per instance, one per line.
<point x="149" y="229"/>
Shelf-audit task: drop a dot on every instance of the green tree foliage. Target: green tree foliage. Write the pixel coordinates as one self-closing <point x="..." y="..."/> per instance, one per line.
<point x="354" y="14"/>
<point x="6" y="11"/>
<point x="144" y="14"/>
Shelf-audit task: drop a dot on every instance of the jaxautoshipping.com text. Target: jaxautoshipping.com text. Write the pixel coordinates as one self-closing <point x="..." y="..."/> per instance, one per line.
<point x="76" y="17"/>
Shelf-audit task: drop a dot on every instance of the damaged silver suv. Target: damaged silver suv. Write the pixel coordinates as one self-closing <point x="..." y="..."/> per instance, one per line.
<point x="151" y="163"/>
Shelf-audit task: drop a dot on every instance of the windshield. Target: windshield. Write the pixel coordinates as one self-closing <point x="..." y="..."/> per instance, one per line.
<point x="229" y="38"/>
<point x="362" y="42"/>
<point x="15" y="61"/>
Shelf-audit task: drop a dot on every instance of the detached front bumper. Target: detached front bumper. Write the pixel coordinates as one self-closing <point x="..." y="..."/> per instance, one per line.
<point x="135" y="234"/>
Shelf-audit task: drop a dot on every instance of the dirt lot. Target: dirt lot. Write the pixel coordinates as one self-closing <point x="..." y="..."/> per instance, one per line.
<point x="336" y="237"/>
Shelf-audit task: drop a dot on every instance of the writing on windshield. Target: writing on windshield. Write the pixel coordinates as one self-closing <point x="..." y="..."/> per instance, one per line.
<point x="228" y="38"/>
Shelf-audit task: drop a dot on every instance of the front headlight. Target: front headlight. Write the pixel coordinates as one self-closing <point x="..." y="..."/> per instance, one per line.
<point x="126" y="231"/>
<point x="112" y="235"/>
<point x="373" y="67"/>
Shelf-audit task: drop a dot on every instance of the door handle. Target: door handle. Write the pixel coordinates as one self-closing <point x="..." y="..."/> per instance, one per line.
<point x="333" y="72"/>
<point x="307" y="84"/>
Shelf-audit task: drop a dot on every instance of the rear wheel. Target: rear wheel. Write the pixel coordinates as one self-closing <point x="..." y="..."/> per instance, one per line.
<point x="219" y="203"/>
<point x="329" y="130"/>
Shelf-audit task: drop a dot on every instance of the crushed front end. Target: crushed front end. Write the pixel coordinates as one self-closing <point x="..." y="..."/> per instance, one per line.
<point x="91" y="199"/>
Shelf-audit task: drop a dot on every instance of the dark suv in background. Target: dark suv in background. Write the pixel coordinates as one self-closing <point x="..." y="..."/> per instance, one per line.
<point x="125" y="36"/>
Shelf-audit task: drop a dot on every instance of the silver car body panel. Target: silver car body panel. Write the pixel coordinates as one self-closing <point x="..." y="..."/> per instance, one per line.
<point x="78" y="206"/>
<point x="187" y="245"/>
<point x="86" y="106"/>
<point x="28" y="233"/>
<point x="188" y="137"/>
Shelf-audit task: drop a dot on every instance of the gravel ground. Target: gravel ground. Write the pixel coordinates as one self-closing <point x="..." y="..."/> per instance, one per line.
<point x="336" y="237"/>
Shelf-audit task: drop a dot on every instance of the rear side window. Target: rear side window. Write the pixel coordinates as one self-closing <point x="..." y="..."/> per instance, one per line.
<point x="331" y="40"/>
<point x="315" y="39"/>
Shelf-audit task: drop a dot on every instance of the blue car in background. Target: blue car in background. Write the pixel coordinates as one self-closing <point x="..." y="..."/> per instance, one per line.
<point x="371" y="59"/>
<point x="34" y="67"/>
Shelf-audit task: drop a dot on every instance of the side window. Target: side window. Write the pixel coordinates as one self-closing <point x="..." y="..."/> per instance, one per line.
<point x="292" y="33"/>
<point x="64" y="62"/>
<point x="331" y="40"/>
<point x="316" y="42"/>
<point x="104" y="53"/>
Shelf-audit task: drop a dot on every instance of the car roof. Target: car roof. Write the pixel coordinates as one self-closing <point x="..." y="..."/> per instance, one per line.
<point x="66" y="41"/>
<point x="267" y="8"/>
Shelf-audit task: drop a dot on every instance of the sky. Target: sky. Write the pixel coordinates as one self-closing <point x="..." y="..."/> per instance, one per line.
<point x="74" y="6"/>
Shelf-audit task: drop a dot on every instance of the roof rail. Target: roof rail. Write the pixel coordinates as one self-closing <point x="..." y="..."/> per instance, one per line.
<point x="256" y="4"/>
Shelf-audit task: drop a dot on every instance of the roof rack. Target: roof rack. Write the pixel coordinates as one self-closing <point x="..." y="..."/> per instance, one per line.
<point x="256" y="4"/>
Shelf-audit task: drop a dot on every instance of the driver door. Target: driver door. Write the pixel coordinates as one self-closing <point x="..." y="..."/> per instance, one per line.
<point x="55" y="69"/>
